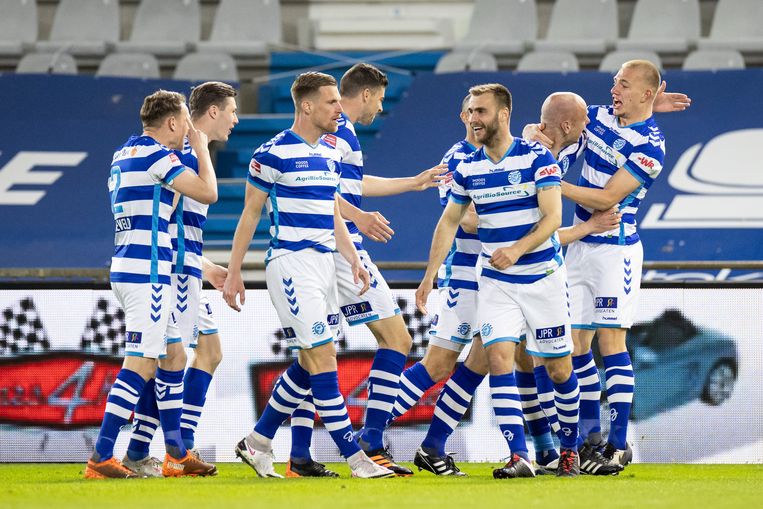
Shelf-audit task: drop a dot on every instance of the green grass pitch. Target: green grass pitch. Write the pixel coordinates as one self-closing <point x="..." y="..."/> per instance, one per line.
<point x="639" y="486"/>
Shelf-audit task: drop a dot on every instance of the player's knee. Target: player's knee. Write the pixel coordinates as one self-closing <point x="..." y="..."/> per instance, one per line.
<point x="560" y="370"/>
<point x="438" y="369"/>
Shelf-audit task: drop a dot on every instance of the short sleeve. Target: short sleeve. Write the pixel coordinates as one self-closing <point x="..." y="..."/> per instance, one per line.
<point x="263" y="171"/>
<point x="546" y="171"/>
<point x="167" y="166"/>
<point x="458" y="192"/>
<point x="645" y="163"/>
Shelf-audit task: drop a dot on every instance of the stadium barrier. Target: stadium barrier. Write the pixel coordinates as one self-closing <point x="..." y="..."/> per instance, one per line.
<point x="696" y="351"/>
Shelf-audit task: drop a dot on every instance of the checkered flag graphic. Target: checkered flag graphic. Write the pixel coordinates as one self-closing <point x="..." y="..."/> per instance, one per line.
<point x="21" y="329"/>
<point x="418" y="326"/>
<point x="105" y="331"/>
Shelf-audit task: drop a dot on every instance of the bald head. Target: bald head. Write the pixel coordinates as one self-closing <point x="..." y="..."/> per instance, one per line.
<point x="562" y="106"/>
<point x="565" y="115"/>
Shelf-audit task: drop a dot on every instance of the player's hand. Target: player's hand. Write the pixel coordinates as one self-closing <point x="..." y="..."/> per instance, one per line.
<point x="196" y="138"/>
<point x="503" y="258"/>
<point x="432" y="177"/>
<point x="422" y="295"/>
<point x="234" y="286"/>
<point x="216" y="275"/>
<point x="534" y="132"/>
<point x="667" y="102"/>
<point x="360" y="274"/>
<point x="374" y="226"/>
<point x="605" y="220"/>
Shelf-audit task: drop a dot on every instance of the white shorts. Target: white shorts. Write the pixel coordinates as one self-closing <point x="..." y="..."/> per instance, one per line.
<point x="507" y="310"/>
<point x="455" y="324"/>
<point x="605" y="282"/>
<point x="302" y="288"/>
<point x="185" y="313"/>
<point x="376" y="304"/>
<point x="147" y="310"/>
<point x="207" y="324"/>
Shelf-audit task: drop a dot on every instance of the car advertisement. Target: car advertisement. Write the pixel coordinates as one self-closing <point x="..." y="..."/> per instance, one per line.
<point x="696" y="353"/>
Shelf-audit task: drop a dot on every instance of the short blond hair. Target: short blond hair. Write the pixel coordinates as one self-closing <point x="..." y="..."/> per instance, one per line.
<point x="648" y="71"/>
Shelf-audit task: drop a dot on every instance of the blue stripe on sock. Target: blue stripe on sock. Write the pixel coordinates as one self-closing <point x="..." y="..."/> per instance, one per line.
<point x="514" y="433"/>
<point x="619" y="365"/>
<point x="325" y="387"/>
<point x="196" y="384"/>
<point x="104" y="445"/>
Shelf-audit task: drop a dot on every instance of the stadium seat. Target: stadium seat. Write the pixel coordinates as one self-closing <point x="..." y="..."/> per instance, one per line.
<point x="71" y="34"/>
<point x="713" y="60"/>
<point x="663" y="26"/>
<point x="548" y="61"/>
<point x="129" y="65"/>
<point x="501" y="26"/>
<point x="206" y="66"/>
<point x="18" y="26"/>
<point x="581" y="26"/>
<point x="47" y="63"/>
<point x="458" y="61"/>
<point x="737" y="24"/>
<point x="244" y="27"/>
<point x="164" y="28"/>
<point x="614" y="60"/>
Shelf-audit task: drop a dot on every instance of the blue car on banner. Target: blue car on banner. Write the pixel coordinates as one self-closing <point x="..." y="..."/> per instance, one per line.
<point x="675" y="362"/>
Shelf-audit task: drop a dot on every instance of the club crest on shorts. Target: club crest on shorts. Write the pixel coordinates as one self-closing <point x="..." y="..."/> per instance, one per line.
<point x="319" y="328"/>
<point x="515" y="178"/>
<point x="486" y="330"/>
<point x="464" y="329"/>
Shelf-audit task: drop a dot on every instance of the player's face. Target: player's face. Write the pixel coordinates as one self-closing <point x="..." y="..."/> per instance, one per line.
<point x="627" y="92"/>
<point x="326" y="109"/>
<point x="226" y="120"/>
<point x="484" y="118"/>
<point x="373" y="106"/>
<point x="579" y="120"/>
<point x="182" y="122"/>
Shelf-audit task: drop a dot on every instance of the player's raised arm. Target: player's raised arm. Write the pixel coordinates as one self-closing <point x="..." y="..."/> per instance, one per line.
<point x="668" y="102"/>
<point x="442" y="240"/>
<point x="247" y="224"/>
<point x="371" y="224"/>
<point x="383" y="186"/>
<point x="201" y="187"/>
<point x="347" y="249"/>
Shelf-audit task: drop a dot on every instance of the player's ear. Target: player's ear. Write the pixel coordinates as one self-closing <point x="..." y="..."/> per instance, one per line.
<point x="213" y="111"/>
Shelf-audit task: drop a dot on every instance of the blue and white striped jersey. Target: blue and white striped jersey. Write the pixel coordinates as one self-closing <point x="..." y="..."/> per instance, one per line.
<point x="301" y="181"/>
<point x="639" y="148"/>
<point x="505" y="197"/>
<point x="187" y="224"/>
<point x="141" y="200"/>
<point x="351" y="182"/>
<point x="459" y="270"/>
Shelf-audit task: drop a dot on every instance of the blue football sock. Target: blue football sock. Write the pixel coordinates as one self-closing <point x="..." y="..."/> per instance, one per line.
<point x="196" y="384"/>
<point x="414" y="382"/>
<point x="169" y="399"/>
<point x="508" y="412"/>
<point x="331" y="408"/>
<point x="451" y="406"/>
<point x="567" y="399"/>
<point x="620" y="382"/>
<point x="289" y="391"/>
<point x="302" y="422"/>
<point x="383" y="383"/>
<point x="537" y="422"/>
<point x="590" y="393"/>
<point x="144" y="423"/>
<point x="123" y="397"/>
